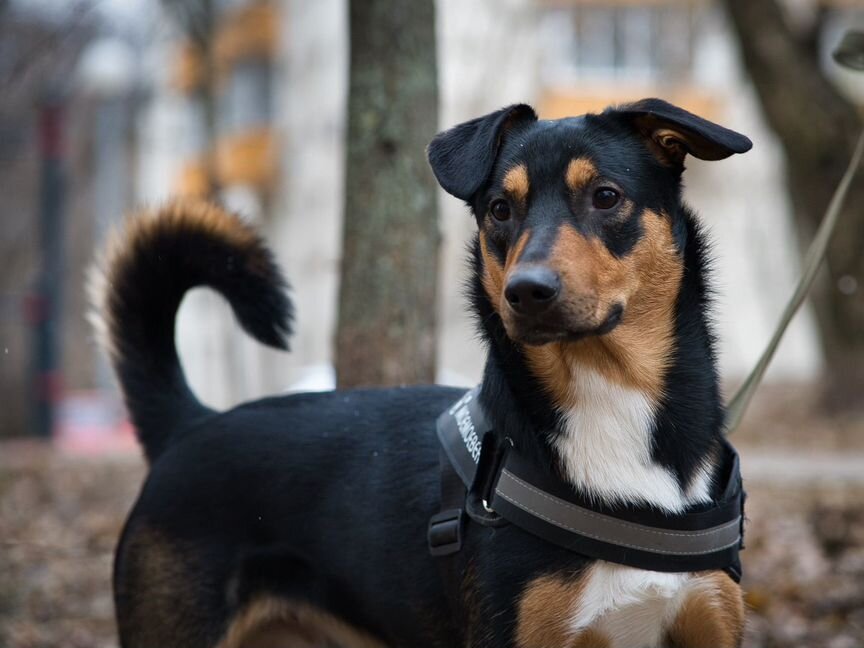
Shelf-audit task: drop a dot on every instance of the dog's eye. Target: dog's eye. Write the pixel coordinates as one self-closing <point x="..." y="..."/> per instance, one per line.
<point x="500" y="210"/>
<point x="605" y="198"/>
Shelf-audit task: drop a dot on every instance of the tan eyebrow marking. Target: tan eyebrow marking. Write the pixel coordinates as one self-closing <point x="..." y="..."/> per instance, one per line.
<point x="579" y="173"/>
<point x="516" y="183"/>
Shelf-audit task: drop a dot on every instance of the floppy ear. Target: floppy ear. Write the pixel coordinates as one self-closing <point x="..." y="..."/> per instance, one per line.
<point x="672" y="132"/>
<point x="462" y="157"/>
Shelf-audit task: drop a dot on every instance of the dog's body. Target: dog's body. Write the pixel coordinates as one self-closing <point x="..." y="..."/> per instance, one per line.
<point x="301" y="520"/>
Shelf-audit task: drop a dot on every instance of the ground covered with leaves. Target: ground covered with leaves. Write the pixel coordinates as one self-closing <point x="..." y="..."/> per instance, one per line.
<point x="60" y="517"/>
<point x="59" y="521"/>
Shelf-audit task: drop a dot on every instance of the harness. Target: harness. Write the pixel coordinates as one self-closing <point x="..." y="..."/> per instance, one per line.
<point x="486" y="480"/>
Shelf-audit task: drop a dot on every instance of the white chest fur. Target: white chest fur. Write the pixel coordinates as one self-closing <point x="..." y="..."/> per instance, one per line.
<point x="606" y="453"/>
<point x="631" y="608"/>
<point x="606" y="448"/>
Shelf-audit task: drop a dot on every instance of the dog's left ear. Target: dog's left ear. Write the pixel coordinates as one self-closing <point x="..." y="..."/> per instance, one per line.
<point x="462" y="157"/>
<point x="672" y="132"/>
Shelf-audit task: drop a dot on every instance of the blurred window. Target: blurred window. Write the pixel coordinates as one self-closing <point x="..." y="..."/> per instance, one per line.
<point x="629" y="41"/>
<point x="246" y="96"/>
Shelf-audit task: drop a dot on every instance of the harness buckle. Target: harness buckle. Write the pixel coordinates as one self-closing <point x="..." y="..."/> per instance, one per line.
<point x="445" y="532"/>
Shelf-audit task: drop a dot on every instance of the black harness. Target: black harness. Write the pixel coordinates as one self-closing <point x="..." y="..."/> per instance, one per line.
<point x="487" y="480"/>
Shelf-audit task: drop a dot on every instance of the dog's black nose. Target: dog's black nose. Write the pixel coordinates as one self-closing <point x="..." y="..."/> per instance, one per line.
<point x="530" y="291"/>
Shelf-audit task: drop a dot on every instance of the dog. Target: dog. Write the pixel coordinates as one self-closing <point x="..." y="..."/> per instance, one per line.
<point x="301" y="520"/>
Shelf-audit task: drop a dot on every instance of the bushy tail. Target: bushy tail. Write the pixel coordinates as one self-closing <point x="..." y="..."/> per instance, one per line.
<point x="136" y="288"/>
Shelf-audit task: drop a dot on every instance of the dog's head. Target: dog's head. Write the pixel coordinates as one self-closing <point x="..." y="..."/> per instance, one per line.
<point x="575" y="215"/>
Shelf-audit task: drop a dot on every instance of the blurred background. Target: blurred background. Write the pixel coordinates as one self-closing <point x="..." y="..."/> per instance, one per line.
<point x="292" y="113"/>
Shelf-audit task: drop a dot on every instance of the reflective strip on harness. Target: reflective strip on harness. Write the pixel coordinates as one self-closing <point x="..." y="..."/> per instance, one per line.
<point x="608" y="529"/>
<point x="705" y="538"/>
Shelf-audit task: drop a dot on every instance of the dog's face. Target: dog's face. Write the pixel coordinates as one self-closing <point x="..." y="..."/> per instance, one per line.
<point x="574" y="217"/>
<point x="567" y="228"/>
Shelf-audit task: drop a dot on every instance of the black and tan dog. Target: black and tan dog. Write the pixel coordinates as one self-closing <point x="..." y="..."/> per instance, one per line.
<point x="301" y="520"/>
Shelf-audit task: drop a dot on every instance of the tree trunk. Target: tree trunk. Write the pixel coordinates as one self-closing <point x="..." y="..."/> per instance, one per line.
<point x="386" y="333"/>
<point x="817" y="127"/>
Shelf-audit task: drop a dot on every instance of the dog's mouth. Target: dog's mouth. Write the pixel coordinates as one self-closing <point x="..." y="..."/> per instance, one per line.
<point x="545" y="330"/>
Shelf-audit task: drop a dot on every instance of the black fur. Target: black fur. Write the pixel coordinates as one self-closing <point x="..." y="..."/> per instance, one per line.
<point x="325" y="498"/>
<point x="701" y="138"/>
<point x="462" y="157"/>
<point x="162" y="259"/>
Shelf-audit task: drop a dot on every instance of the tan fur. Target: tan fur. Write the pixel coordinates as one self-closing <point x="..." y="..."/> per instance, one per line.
<point x="515" y="253"/>
<point x="636" y="354"/>
<point x="157" y="603"/>
<point x="671" y="141"/>
<point x="545" y="609"/>
<point x="590" y="638"/>
<point x="516" y="183"/>
<point x="580" y="172"/>
<point x="270" y="622"/>
<point x="476" y="632"/>
<point x="668" y="145"/>
<point x="494" y="275"/>
<point x="160" y="605"/>
<point x="712" y="616"/>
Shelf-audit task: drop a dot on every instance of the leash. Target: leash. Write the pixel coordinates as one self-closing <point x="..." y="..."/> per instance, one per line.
<point x="815" y="255"/>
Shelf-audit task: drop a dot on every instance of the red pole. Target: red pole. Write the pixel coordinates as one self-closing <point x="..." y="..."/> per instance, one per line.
<point x="44" y="307"/>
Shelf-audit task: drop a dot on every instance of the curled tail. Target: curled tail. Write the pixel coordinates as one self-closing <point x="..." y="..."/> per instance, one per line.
<point x="136" y="288"/>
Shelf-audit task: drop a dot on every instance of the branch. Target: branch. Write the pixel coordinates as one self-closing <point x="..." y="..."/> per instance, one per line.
<point x="809" y="114"/>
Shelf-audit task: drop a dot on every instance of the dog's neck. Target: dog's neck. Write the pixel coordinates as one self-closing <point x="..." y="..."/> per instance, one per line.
<point x="615" y="435"/>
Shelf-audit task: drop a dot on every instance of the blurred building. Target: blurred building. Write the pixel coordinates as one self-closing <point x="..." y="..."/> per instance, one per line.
<point x="282" y="69"/>
<point x="267" y="134"/>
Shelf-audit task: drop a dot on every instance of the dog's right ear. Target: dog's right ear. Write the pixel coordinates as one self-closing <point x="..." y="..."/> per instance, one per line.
<point x="462" y="157"/>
